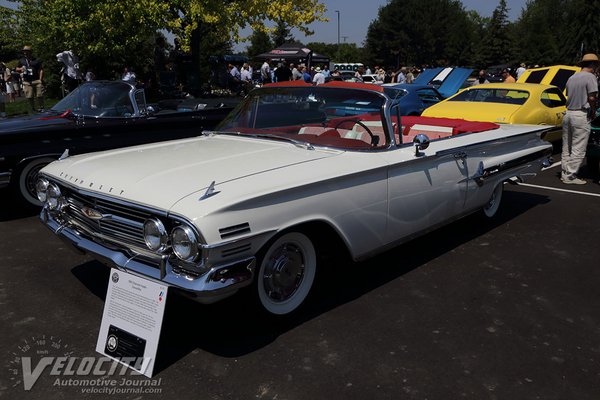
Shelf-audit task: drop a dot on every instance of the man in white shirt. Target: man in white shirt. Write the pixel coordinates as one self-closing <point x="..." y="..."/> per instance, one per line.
<point x="234" y="72"/>
<point x="520" y="70"/>
<point x="582" y="102"/>
<point x="296" y="74"/>
<point x="319" y="78"/>
<point x="246" y="74"/>
<point x="265" y="71"/>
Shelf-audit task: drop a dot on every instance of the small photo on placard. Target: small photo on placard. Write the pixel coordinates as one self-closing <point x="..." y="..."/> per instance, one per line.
<point x="120" y="344"/>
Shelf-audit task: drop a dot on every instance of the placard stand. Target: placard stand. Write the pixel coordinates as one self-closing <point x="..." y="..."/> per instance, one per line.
<point x="132" y="320"/>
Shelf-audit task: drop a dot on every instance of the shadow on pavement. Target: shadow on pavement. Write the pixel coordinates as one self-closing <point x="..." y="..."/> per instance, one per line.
<point x="15" y="209"/>
<point x="236" y="326"/>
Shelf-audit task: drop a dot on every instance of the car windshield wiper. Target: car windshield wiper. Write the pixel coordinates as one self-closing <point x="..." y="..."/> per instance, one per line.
<point x="298" y="143"/>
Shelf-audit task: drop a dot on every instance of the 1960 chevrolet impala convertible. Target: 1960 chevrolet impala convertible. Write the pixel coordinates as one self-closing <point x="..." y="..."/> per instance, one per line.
<point x="291" y="168"/>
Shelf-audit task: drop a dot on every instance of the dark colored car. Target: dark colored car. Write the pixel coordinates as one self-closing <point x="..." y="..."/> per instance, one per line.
<point x="494" y="72"/>
<point x="98" y="115"/>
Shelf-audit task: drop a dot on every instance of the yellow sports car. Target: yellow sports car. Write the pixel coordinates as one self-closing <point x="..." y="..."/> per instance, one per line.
<point x="555" y="75"/>
<point x="506" y="103"/>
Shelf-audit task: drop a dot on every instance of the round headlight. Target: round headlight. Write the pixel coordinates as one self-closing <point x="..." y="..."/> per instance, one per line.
<point x="53" y="196"/>
<point x="41" y="187"/>
<point x="184" y="242"/>
<point x="155" y="234"/>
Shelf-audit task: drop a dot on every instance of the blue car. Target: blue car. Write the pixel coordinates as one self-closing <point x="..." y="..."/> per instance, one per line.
<point x="413" y="98"/>
<point x="430" y="87"/>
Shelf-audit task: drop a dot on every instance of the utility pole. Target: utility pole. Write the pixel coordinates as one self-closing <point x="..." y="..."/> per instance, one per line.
<point x="338" y="42"/>
<point x="338" y="21"/>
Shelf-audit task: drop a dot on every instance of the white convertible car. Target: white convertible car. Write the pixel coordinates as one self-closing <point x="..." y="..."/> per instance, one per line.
<point x="293" y="167"/>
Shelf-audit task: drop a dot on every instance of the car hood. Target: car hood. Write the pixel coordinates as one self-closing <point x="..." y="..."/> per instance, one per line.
<point x="446" y="80"/>
<point x="487" y="112"/>
<point x="160" y="174"/>
<point x="32" y="123"/>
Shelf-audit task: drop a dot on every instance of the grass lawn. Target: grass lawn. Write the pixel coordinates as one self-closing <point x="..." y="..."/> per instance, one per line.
<point x="20" y="106"/>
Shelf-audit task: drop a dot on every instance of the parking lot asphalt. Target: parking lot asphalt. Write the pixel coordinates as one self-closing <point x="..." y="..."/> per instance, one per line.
<point x="507" y="308"/>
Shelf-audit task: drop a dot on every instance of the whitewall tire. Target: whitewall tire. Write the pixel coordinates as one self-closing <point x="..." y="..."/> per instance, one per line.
<point x="27" y="178"/>
<point x="492" y="206"/>
<point x="286" y="273"/>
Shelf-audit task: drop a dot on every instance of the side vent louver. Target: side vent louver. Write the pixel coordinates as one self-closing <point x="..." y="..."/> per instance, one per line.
<point x="236" y="250"/>
<point x="234" y="230"/>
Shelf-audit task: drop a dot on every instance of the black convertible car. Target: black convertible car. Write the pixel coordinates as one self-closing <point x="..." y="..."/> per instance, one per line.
<point x="98" y="115"/>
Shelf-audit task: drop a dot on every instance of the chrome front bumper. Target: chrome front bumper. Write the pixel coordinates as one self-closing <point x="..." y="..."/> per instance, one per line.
<point x="219" y="282"/>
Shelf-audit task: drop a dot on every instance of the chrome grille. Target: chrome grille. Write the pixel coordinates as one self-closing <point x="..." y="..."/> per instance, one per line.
<point x="121" y="224"/>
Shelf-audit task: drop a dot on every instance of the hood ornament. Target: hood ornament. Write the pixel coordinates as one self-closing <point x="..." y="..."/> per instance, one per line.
<point x="64" y="155"/>
<point x="209" y="192"/>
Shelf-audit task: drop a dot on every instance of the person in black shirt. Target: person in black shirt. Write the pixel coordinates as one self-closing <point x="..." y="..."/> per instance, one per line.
<point x="283" y="73"/>
<point x="33" y="78"/>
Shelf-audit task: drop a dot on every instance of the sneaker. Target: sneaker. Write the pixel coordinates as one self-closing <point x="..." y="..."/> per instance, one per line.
<point x="573" y="181"/>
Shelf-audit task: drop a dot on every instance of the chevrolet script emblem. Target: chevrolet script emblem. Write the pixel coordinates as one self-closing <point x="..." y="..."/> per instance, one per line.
<point x="91" y="213"/>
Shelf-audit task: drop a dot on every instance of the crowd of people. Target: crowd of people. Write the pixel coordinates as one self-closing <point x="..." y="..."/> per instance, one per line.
<point x="245" y="77"/>
<point x="27" y="78"/>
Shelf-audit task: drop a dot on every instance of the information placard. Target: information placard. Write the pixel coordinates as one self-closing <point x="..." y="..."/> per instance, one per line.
<point x="132" y="320"/>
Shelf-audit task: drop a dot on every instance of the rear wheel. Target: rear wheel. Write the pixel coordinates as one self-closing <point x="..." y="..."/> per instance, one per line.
<point x="286" y="273"/>
<point x="24" y="185"/>
<point x="492" y="206"/>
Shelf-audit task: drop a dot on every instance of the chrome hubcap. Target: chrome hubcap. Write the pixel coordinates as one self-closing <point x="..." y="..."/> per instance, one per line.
<point x="284" y="272"/>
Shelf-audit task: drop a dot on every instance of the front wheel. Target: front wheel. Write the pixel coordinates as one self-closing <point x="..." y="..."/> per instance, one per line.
<point x="286" y="273"/>
<point x="24" y="186"/>
<point x="492" y="206"/>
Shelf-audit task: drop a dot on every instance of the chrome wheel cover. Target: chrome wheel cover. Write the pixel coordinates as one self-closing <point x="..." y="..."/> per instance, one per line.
<point x="283" y="272"/>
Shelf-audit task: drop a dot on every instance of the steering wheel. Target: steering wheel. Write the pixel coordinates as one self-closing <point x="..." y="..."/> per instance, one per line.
<point x="374" y="138"/>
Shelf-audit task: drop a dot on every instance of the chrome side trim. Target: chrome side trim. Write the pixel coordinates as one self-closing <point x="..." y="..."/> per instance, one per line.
<point x="484" y="173"/>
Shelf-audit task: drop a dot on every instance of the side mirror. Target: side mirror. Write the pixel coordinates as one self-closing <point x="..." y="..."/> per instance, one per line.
<point x="150" y="110"/>
<point x="421" y="142"/>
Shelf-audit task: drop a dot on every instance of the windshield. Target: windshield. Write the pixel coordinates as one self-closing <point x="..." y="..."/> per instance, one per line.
<point x="98" y="99"/>
<point x="493" y="95"/>
<point x="322" y="116"/>
<point x="393" y="93"/>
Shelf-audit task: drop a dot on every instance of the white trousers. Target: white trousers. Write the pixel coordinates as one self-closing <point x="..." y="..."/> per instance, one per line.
<point x="575" y="134"/>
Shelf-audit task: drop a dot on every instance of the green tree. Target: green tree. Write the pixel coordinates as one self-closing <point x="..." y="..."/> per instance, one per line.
<point x="346" y="52"/>
<point x="109" y="34"/>
<point x="8" y="24"/>
<point x="260" y="42"/>
<point x="542" y="32"/>
<point x="496" y="45"/>
<point x="282" y="34"/>
<point x="420" y="32"/>
<point x="585" y="35"/>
